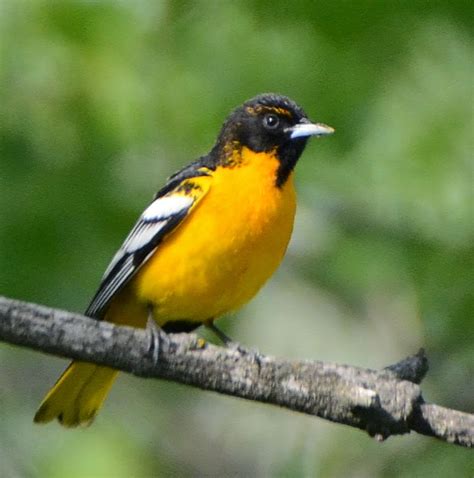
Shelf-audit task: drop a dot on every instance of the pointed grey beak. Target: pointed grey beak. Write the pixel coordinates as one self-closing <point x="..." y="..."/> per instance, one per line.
<point x="306" y="128"/>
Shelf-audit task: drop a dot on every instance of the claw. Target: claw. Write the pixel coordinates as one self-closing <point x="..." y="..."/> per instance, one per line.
<point x="154" y="332"/>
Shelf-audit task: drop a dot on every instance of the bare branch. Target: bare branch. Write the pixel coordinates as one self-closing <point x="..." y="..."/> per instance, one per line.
<point x="383" y="403"/>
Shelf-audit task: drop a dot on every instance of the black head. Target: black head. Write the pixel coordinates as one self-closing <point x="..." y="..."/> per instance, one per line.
<point x="271" y="122"/>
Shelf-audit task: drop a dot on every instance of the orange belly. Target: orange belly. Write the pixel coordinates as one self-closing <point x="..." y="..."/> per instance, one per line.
<point x="226" y="249"/>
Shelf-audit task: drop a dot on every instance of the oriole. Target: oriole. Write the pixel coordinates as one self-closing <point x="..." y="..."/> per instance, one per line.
<point x="205" y="245"/>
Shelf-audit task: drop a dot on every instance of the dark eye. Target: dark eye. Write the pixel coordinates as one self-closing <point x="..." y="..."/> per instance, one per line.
<point x="271" y="121"/>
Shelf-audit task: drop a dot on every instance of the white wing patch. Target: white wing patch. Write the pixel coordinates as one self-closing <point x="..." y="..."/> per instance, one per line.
<point x="165" y="207"/>
<point x="143" y="239"/>
<point x="152" y="220"/>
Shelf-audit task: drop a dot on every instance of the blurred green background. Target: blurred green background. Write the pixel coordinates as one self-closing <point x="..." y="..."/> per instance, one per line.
<point x="100" y="101"/>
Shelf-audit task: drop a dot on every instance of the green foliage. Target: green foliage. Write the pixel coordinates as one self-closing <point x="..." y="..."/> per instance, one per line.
<point x="100" y="101"/>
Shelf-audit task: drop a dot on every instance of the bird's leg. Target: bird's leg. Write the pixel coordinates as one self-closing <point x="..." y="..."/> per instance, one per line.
<point x="228" y="342"/>
<point x="154" y="334"/>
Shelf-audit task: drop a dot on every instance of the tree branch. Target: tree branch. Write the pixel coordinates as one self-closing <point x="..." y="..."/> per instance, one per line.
<point x="384" y="403"/>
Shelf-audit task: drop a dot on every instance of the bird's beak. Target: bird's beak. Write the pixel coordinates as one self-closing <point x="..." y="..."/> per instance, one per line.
<point x="305" y="128"/>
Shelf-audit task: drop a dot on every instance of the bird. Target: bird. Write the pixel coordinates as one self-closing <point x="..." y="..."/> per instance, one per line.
<point x="211" y="237"/>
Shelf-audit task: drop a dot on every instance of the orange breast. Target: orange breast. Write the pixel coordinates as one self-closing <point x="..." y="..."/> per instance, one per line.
<point x="227" y="247"/>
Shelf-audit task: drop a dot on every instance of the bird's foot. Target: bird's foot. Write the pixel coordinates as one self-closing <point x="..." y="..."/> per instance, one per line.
<point x="252" y="353"/>
<point x="153" y="331"/>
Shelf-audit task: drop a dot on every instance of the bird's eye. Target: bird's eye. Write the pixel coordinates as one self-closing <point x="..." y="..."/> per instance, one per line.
<point x="271" y="121"/>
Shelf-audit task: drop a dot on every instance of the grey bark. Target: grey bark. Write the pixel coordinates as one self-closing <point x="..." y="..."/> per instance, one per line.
<point x="383" y="403"/>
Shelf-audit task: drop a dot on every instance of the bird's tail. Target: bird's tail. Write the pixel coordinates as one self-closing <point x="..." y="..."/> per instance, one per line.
<point x="78" y="395"/>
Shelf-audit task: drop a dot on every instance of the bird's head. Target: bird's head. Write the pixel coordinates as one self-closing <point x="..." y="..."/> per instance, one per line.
<point x="271" y="122"/>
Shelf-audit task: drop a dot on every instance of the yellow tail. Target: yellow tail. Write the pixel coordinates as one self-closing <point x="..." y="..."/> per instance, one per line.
<point x="77" y="396"/>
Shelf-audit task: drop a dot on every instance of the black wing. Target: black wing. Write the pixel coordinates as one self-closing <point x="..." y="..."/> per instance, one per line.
<point x="159" y="218"/>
